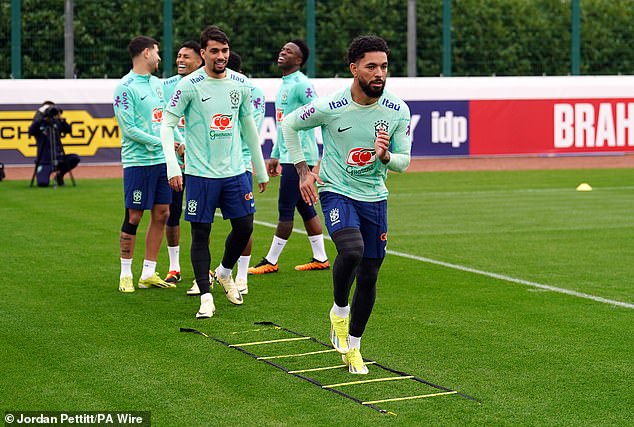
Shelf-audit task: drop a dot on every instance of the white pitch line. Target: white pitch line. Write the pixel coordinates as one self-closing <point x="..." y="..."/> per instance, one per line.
<point x="486" y="273"/>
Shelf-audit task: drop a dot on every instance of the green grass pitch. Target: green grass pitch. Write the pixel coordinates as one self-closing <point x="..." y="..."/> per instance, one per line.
<point x="69" y="341"/>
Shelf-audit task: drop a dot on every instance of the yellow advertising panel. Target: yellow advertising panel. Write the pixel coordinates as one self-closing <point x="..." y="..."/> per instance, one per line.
<point x="89" y="133"/>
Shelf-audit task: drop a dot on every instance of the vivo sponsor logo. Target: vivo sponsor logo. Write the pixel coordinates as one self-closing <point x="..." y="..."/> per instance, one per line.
<point x="448" y="129"/>
<point x="337" y="104"/>
<point x="586" y="125"/>
<point x="307" y="111"/>
<point x="175" y="98"/>
<point x="389" y="104"/>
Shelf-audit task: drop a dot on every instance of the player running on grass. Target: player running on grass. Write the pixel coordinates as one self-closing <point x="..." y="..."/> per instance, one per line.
<point x="296" y="90"/>
<point x="216" y="108"/>
<point x="138" y="107"/>
<point x="188" y="60"/>
<point x="366" y="133"/>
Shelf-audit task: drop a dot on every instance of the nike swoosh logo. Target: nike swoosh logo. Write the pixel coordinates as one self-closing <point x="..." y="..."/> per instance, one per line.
<point x="143" y="97"/>
<point x="252" y="205"/>
<point x="205" y="99"/>
<point x="343" y="129"/>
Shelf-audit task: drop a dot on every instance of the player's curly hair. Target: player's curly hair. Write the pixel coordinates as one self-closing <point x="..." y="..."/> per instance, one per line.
<point x="362" y="44"/>
<point x="213" y="32"/>
<point x="303" y="48"/>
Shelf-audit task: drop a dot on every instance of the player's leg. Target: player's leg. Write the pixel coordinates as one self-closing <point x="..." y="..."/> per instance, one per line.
<point x="373" y="217"/>
<point x="245" y="257"/>
<point x="312" y="222"/>
<point x="202" y="197"/>
<point x="127" y="242"/>
<point x="287" y="199"/>
<point x="160" y="196"/>
<point x="237" y="205"/>
<point x="343" y="226"/>
<point x="134" y="201"/>
<point x="173" y="236"/>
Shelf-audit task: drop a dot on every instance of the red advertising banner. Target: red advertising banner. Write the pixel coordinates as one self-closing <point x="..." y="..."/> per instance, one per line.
<point x="551" y="126"/>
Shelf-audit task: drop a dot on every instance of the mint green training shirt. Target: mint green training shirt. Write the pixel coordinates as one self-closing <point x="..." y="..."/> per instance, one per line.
<point x="349" y="165"/>
<point x="257" y="99"/>
<point x="138" y="106"/>
<point x="296" y="90"/>
<point x="169" y="85"/>
<point x="212" y="109"/>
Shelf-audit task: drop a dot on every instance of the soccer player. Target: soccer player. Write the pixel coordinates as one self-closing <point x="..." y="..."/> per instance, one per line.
<point x="366" y="133"/>
<point x="188" y="60"/>
<point x="296" y="90"/>
<point x="217" y="107"/>
<point x="138" y="107"/>
<point x="257" y="99"/>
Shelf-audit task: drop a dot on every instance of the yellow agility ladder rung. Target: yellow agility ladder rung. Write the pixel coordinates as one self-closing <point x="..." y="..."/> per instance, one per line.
<point x="268" y="342"/>
<point x="376" y="380"/>
<point x="324" y="368"/>
<point x="282" y="356"/>
<point x="421" y="396"/>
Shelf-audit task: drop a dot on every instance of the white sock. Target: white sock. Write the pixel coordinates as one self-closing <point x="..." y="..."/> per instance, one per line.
<point x="149" y="268"/>
<point x="126" y="268"/>
<point x="319" y="251"/>
<point x="355" y="342"/>
<point x="276" y="249"/>
<point x="341" y="311"/>
<point x="243" y="267"/>
<point x="222" y="271"/>
<point x="174" y="252"/>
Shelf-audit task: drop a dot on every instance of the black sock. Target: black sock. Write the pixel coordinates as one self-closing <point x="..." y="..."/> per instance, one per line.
<point x="364" y="295"/>
<point x="200" y="256"/>
<point x="349" y="244"/>
<point x="241" y="229"/>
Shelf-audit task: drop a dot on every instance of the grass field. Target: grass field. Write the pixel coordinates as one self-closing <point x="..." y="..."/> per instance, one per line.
<point x="532" y="356"/>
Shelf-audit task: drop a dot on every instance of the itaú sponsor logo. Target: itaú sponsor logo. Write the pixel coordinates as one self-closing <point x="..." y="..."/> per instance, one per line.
<point x="587" y="125"/>
<point x="157" y="115"/>
<point x="221" y="122"/>
<point x="360" y="156"/>
<point x="448" y="129"/>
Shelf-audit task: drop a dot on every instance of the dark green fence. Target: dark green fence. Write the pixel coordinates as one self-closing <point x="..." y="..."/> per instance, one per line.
<point x="491" y="37"/>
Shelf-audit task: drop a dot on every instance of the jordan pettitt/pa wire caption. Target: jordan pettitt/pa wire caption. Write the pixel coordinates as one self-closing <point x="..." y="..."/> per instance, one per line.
<point x="78" y="418"/>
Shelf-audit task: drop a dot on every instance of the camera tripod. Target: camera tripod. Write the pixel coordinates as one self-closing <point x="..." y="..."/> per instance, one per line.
<point x="52" y="135"/>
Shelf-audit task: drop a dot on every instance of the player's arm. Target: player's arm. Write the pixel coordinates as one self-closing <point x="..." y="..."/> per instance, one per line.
<point x="395" y="152"/>
<point x="124" y="112"/>
<point x="252" y="138"/>
<point x="170" y="120"/>
<point x="250" y="134"/>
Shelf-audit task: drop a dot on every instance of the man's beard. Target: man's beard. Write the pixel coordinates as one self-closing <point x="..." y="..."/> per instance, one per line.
<point x="369" y="91"/>
<point x="219" y="70"/>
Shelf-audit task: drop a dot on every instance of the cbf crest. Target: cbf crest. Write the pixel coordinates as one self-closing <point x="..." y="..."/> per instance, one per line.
<point x="334" y="216"/>
<point x="381" y="125"/>
<point x="234" y="96"/>
<point x="137" y="195"/>
<point x="192" y="205"/>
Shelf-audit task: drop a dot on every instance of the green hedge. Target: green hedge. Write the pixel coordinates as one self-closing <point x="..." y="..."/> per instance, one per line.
<point x="494" y="37"/>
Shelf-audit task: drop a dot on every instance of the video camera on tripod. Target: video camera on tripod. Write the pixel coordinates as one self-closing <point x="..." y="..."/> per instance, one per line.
<point x="48" y="127"/>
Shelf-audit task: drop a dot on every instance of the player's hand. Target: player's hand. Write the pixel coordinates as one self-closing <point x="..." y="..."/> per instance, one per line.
<point x="381" y="144"/>
<point x="262" y="186"/>
<point x="180" y="149"/>
<point x="176" y="183"/>
<point x="272" y="167"/>
<point x="307" y="181"/>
